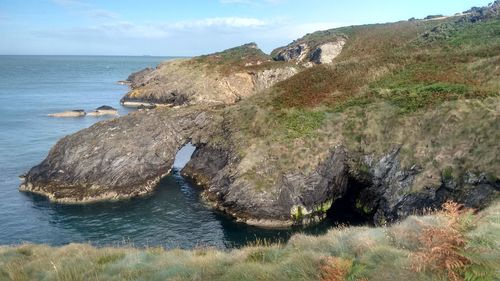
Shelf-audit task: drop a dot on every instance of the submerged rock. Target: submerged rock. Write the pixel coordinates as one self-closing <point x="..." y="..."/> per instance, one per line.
<point x="71" y="113"/>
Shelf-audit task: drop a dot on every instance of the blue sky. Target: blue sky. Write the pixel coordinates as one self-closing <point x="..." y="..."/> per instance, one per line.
<point x="189" y="27"/>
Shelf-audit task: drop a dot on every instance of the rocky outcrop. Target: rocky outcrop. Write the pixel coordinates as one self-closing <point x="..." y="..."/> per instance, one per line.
<point x="384" y="194"/>
<point x="309" y="53"/>
<point x="299" y="199"/>
<point x="325" y="53"/>
<point x="71" y="113"/>
<point x="201" y="81"/>
<point x="137" y="79"/>
<point x="178" y="83"/>
<point x="388" y="190"/>
<point x="482" y="13"/>
<point x="115" y="159"/>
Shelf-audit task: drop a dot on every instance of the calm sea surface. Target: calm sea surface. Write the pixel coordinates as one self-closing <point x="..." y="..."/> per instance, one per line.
<point x="32" y="87"/>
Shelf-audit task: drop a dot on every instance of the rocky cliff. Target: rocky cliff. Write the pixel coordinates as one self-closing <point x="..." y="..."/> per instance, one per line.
<point x="308" y="52"/>
<point x="393" y="124"/>
<point x="115" y="159"/>
<point x="220" y="78"/>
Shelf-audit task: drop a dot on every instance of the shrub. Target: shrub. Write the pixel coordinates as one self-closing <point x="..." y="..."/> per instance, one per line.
<point x="442" y="246"/>
<point x="335" y="269"/>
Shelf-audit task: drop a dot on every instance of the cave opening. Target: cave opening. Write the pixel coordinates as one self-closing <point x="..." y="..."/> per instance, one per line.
<point x="350" y="210"/>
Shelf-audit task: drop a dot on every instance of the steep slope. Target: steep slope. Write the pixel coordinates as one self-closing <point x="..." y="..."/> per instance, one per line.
<point x="402" y="119"/>
<point x="219" y="78"/>
<point x="414" y="114"/>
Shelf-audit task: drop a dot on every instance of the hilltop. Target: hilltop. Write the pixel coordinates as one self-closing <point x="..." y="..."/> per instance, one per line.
<point x="220" y="78"/>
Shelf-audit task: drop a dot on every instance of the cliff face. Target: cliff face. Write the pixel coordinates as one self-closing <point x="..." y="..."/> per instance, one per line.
<point x="308" y="52"/>
<point x="404" y="118"/>
<point x="120" y="158"/>
<point x="220" y="78"/>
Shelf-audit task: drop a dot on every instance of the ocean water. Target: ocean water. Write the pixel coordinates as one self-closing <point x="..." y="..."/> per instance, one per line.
<point x="32" y="87"/>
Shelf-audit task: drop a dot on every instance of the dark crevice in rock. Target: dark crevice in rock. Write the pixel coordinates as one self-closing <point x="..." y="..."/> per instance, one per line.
<point x="354" y="207"/>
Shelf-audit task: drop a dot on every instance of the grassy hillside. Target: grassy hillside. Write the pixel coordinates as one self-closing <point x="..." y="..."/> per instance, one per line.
<point x="453" y="244"/>
<point x="431" y="87"/>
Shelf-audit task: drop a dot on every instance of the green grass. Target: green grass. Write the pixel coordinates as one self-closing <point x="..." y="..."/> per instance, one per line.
<point x="398" y="58"/>
<point x="302" y="123"/>
<point x="247" y="57"/>
<point x="383" y="253"/>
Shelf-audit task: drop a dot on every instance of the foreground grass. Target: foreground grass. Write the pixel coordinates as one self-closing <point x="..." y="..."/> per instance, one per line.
<point x="453" y="244"/>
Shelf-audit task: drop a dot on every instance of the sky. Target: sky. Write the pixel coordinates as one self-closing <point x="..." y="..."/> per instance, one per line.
<point x="189" y="27"/>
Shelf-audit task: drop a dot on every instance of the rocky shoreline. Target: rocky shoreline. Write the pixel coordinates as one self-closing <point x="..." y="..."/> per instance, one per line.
<point x="274" y="156"/>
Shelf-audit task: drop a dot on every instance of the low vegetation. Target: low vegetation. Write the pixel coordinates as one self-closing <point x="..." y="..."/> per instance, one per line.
<point x="245" y="57"/>
<point x="431" y="87"/>
<point x="451" y="244"/>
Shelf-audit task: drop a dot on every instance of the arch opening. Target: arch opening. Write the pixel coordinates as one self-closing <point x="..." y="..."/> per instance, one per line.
<point x="183" y="156"/>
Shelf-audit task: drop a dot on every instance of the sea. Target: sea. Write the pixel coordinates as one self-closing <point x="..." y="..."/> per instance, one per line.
<point x="172" y="217"/>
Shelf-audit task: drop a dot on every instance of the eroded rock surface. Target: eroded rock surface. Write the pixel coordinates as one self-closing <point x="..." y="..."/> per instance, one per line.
<point x="310" y="53"/>
<point x="212" y="79"/>
<point x="120" y="158"/>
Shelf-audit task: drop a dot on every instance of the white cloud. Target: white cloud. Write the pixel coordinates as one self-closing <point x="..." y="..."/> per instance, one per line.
<point x="230" y="22"/>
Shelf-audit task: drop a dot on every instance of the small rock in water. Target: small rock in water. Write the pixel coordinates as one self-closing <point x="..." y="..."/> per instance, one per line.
<point x="104" y="110"/>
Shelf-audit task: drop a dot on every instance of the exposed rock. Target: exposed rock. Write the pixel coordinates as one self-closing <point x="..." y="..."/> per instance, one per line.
<point x="297" y="52"/>
<point x="146" y="106"/>
<point x="175" y="83"/>
<point x="127" y="156"/>
<point x="267" y="78"/>
<point x="388" y="192"/>
<point x="220" y="78"/>
<point x="138" y="104"/>
<point x="115" y="159"/>
<point x="481" y="13"/>
<point x="307" y="52"/>
<point x="71" y="113"/>
<point x="325" y="53"/>
<point x="137" y="79"/>
<point x="103" y="111"/>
